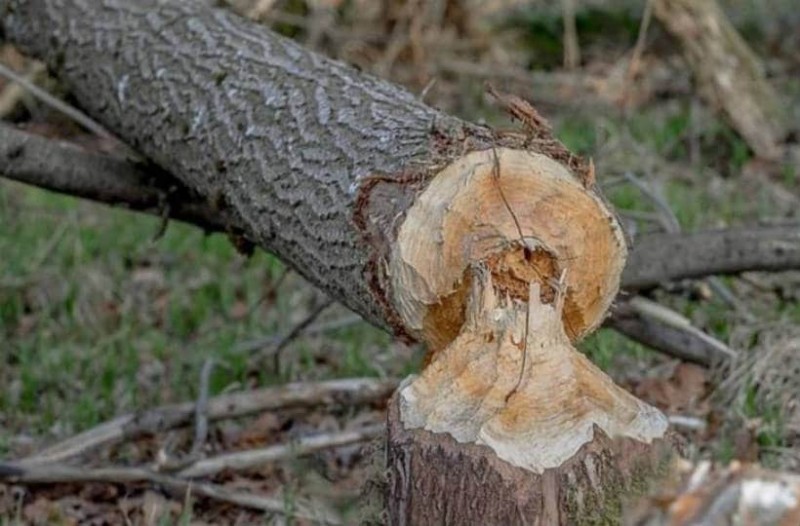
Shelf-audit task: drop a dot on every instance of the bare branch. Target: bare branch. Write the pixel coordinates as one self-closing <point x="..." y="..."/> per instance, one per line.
<point x="251" y="458"/>
<point x="660" y="258"/>
<point x="667" y="331"/>
<point x="56" y="474"/>
<point x="345" y="392"/>
<point x="66" y="168"/>
<point x="55" y="103"/>
<point x="201" y="409"/>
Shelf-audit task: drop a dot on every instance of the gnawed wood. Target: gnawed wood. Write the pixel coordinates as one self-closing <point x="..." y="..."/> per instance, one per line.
<point x="512" y="380"/>
<point x="508" y="209"/>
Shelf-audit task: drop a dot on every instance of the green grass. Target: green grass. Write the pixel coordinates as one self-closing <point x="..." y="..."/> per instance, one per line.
<point x="98" y="318"/>
<point x="606" y="345"/>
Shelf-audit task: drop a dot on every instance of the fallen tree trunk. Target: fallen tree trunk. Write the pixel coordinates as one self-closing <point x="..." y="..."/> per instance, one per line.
<point x="317" y="162"/>
<point x="496" y="250"/>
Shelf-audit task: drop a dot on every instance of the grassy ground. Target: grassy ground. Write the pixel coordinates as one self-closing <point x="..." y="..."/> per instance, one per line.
<point x="98" y="317"/>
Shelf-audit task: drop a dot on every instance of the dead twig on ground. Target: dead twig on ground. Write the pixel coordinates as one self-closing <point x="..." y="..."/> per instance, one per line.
<point x="201" y="409"/>
<point x="251" y="458"/>
<point x="312" y="330"/>
<point x="346" y="392"/>
<point x="16" y="473"/>
<point x="667" y="331"/>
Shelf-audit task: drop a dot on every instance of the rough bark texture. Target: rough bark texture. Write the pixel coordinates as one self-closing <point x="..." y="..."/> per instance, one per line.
<point x="389" y="206"/>
<point x="436" y="480"/>
<point x="285" y="138"/>
<point x="62" y="167"/>
<point x="728" y="73"/>
<point x="316" y="160"/>
<point x="708" y="252"/>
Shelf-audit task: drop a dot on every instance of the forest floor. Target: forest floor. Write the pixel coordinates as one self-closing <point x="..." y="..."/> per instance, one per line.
<point x="100" y="316"/>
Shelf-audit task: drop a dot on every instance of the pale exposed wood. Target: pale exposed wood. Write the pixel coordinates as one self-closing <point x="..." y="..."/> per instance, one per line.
<point x="510" y="209"/>
<point x="470" y="389"/>
<point x="436" y="480"/>
<point x="494" y="248"/>
<point x="728" y="73"/>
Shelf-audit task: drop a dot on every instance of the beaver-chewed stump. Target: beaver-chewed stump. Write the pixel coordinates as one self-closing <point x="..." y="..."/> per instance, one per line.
<point x="493" y="248"/>
<point x="502" y="263"/>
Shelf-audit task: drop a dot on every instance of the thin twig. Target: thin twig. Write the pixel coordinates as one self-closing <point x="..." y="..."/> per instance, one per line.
<point x="668" y="218"/>
<point x="201" y="409"/>
<point x="251" y="458"/>
<point x="58" y="105"/>
<point x="294" y="333"/>
<point x="314" y="329"/>
<point x="13" y="92"/>
<point x="16" y="473"/>
<point x="638" y="48"/>
<point x="572" y="48"/>
<point x="344" y="392"/>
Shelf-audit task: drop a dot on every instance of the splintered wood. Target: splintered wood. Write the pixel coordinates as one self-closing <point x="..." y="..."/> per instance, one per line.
<point x="463" y="217"/>
<point x="562" y="396"/>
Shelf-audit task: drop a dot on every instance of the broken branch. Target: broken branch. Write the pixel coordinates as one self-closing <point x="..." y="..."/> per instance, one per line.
<point x="346" y="392"/>
<point x="251" y="458"/>
<point x="16" y="473"/>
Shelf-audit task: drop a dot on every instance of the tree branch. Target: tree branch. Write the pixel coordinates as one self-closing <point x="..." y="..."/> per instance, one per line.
<point x="347" y="392"/>
<point x="666" y="331"/>
<point x="56" y="473"/>
<point x="660" y="258"/>
<point x="64" y="167"/>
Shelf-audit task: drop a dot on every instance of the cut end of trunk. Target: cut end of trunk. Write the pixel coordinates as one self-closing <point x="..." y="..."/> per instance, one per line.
<point x="512" y="380"/>
<point x="527" y="219"/>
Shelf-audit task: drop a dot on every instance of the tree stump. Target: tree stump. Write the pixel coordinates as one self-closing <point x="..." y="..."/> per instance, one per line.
<point x="508" y="423"/>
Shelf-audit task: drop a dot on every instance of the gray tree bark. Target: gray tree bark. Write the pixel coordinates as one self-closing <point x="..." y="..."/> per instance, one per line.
<point x="315" y="160"/>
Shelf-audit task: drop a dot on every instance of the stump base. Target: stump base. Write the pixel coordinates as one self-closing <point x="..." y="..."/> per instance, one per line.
<point x="436" y="480"/>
